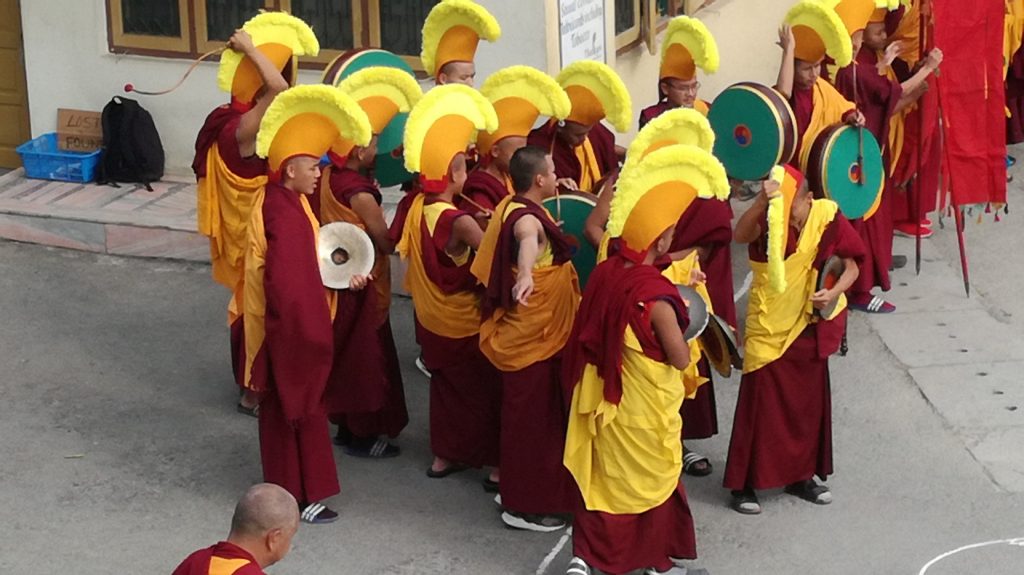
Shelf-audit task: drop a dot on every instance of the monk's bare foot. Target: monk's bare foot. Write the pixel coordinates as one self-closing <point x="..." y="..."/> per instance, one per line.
<point x="491" y="484"/>
<point x="249" y="404"/>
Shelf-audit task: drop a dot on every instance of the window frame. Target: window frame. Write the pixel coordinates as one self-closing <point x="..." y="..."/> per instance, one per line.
<point x="193" y="42"/>
<point x="119" y="40"/>
<point x="630" y="37"/>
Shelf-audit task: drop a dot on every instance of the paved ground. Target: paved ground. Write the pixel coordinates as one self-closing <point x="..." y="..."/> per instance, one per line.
<point x="122" y="451"/>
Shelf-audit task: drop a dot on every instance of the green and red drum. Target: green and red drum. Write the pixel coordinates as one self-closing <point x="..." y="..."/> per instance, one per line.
<point x="755" y="130"/>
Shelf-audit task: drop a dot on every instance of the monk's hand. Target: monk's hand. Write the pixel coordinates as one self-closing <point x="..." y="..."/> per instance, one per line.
<point x="934" y="59"/>
<point x="770" y="190"/>
<point x="786" y="39"/>
<point x="892" y="51"/>
<point x="568" y="183"/>
<point x="855" y="119"/>
<point x="822" y="298"/>
<point x="359" y="282"/>
<point x="523" y="289"/>
<point x="241" y="41"/>
<point x="697" y="277"/>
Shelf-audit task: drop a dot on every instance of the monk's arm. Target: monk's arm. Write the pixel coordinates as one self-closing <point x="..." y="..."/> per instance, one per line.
<point x="787" y="69"/>
<point x="593" y="228"/>
<point x="912" y="87"/>
<point x="666" y="328"/>
<point x="366" y="207"/>
<point x="748" y="228"/>
<point x="274" y="83"/>
<point x="527" y="230"/>
<point x="824" y="297"/>
<point x="465" y="232"/>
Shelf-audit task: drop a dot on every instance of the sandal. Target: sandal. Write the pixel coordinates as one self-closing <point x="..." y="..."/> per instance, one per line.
<point x="491" y="486"/>
<point x="452" y="468"/>
<point x="746" y="502"/>
<point x="317" y="514"/>
<point x="379" y="449"/>
<point x="578" y="566"/>
<point x="810" y="491"/>
<point x="253" y="411"/>
<point x="874" y="305"/>
<point x="696" y="464"/>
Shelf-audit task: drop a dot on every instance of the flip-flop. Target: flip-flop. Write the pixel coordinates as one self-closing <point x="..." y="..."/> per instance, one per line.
<point x="876" y="305"/>
<point x="317" y="514"/>
<point x="452" y="468"/>
<point x="253" y="411"/>
<point x="380" y="449"/>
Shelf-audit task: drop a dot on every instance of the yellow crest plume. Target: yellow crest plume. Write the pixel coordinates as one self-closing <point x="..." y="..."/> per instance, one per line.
<point x="601" y="86"/>
<point x="823" y="31"/>
<point x="468" y="22"/>
<point x="269" y="28"/>
<point x="470" y="112"/>
<point x="677" y="126"/>
<point x="307" y="120"/>
<point x="521" y="94"/>
<point x="688" y="44"/>
<point x="686" y="164"/>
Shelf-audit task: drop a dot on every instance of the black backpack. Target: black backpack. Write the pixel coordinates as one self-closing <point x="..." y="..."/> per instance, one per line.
<point x="132" y="151"/>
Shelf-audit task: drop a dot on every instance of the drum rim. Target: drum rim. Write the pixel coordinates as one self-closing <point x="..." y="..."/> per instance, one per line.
<point x="583" y="197"/>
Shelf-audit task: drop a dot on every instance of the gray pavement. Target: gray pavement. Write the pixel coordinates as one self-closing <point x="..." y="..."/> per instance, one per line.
<point x="122" y="451"/>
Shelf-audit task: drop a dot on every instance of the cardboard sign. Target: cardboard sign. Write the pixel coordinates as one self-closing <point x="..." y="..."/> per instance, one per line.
<point x="79" y="130"/>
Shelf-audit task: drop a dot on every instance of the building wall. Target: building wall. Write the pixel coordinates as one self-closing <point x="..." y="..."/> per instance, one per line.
<point x="69" y="65"/>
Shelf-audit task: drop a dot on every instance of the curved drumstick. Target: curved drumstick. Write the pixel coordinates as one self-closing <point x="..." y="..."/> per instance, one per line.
<point x="132" y="88"/>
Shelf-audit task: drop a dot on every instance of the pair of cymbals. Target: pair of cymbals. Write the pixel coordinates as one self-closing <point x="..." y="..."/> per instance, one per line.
<point x="716" y="337"/>
<point x="344" y="251"/>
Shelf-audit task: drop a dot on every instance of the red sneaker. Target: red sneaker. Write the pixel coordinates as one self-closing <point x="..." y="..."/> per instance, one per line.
<point x="908" y="230"/>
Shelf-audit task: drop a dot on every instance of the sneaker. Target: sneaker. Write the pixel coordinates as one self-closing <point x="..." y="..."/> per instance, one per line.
<point x="676" y="570"/>
<point x="746" y="502"/>
<point x="578" y="566"/>
<point x="528" y="522"/>
<point x="317" y="514"/>
<point x="422" y="366"/>
<point x="810" y="490"/>
<point x="907" y="230"/>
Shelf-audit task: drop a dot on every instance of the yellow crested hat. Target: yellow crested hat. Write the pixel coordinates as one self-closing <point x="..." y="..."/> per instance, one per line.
<point x="520" y="95"/>
<point x="688" y="45"/>
<point x="789" y="179"/>
<point x="652" y="197"/>
<point x="281" y="38"/>
<point x="382" y="93"/>
<point x="306" y="121"/>
<point x="854" y="13"/>
<point x="596" y="93"/>
<point x="441" y="126"/>
<point x="677" y="126"/>
<point x="819" y="31"/>
<point x="453" y="30"/>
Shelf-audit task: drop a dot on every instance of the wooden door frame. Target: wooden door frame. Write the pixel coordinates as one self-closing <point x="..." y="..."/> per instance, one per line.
<point x="26" y="118"/>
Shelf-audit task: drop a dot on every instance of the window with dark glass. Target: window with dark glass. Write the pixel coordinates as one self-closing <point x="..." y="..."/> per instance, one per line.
<point x="330" y="19"/>
<point x="401" y="24"/>
<point x="151" y="18"/>
<point x="223" y="17"/>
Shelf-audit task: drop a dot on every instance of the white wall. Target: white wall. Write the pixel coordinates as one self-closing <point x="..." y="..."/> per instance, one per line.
<point x="69" y="65"/>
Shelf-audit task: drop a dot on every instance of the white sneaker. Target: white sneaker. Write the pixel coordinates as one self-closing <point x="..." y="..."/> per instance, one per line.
<point x="537" y="523"/>
<point x="578" y="566"/>
<point x="422" y="366"/>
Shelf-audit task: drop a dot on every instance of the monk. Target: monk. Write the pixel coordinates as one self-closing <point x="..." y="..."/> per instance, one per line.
<point x="262" y="528"/>
<point x="623" y="371"/>
<point x="229" y="176"/>
<point x="782" y="431"/>
<point x="532" y="295"/>
<point x="681" y="57"/>
<point x="438" y="243"/>
<point x="365" y="395"/>
<point x="564" y="138"/>
<point x="882" y="99"/>
<point x="489" y="183"/>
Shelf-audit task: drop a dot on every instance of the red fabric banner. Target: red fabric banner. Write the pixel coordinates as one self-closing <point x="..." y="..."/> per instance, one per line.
<point x="972" y="97"/>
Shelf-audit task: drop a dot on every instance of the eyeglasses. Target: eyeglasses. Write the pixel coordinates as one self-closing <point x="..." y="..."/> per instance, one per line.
<point x="693" y="88"/>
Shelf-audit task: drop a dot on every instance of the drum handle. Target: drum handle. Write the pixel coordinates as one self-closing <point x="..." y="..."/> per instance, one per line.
<point x="860" y="130"/>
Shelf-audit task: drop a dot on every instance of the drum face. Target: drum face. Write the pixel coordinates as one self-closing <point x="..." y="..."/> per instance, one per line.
<point x="752" y="131"/>
<point x="572" y="210"/>
<point x="389" y="167"/>
<point x="835" y="172"/>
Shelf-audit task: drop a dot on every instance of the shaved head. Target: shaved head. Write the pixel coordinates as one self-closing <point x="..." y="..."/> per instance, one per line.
<point x="264" y="508"/>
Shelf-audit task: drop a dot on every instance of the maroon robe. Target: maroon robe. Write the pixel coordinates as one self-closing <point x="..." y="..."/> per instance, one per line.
<point x="465" y="389"/>
<point x="220" y="128"/>
<point x="1015" y="99"/>
<point x="567" y="165"/>
<point x="292" y="365"/>
<point x="782" y="431"/>
<point x="623" y="543"/>
<point x="198" y="563"/>
<point x="877" y="97"/>
<point x="484" y="189"/>
<point x="533" y="411"/>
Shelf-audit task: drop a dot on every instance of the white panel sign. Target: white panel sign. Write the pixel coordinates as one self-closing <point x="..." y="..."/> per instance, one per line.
<point x="582" y="30"/>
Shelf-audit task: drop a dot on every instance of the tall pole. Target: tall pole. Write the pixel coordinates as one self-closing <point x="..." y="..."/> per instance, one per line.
<point x="924" y="11"/>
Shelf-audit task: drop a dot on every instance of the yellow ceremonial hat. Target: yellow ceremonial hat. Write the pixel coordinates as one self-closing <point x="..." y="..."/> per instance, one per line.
<point x="281" y="38"/>
<point x="677" y="126"/>
<point x="520" y="95"/>
<point x="790" y="180"/>
<point x="819" y="31"/>
<point x="688" y="45"/>
<point x="441" y="126"/>
<point x="878" y="16"/>
<point x="596" y="93"/>
<point x="453" y="30"/>
<point x="306" y="121"/>
<point x="382" y="93"/>
<point x="651" y="198"/>
<point x="854" y="13"/>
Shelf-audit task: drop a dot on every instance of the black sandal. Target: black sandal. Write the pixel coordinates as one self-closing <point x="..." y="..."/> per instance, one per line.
<point x="696" y="464"/>
<point x="810" y="490"/>
<point x="452" y="468"/>
<point x="375" y="449"/>
<point x="253" y="411"/>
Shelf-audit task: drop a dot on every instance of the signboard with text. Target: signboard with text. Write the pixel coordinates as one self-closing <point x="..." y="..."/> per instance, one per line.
<point x="581" y="26"/>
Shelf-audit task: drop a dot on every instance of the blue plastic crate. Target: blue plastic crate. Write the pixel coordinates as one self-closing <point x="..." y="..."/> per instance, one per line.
<point x="42" y="160"/>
